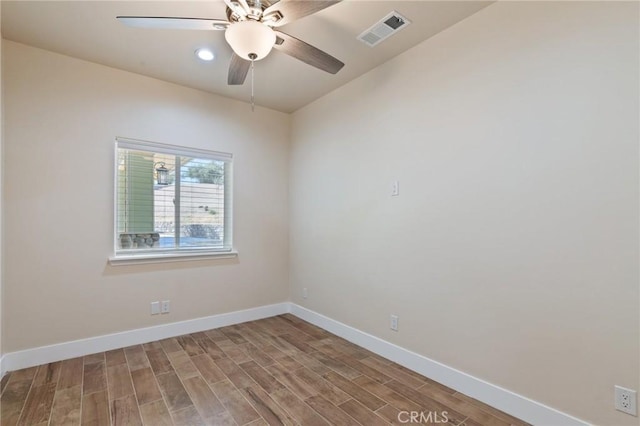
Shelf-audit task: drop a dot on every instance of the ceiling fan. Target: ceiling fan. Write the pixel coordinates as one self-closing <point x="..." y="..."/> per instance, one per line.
<point x="250" y="30"/>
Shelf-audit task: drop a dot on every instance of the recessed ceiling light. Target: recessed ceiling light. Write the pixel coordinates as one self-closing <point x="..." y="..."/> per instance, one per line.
<point x="205" y="54"/>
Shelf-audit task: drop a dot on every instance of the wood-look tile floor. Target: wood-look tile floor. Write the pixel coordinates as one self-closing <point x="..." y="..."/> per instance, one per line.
<point x="274" y="371"/>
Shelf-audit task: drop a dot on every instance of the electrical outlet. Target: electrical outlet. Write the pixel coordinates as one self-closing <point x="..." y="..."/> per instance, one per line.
<point x="394" y="322"/>
<point x="305" y="293"/>
<point x="155" y="308"/>
<point x="165" y="307"/>
<point x="626" y="400"/>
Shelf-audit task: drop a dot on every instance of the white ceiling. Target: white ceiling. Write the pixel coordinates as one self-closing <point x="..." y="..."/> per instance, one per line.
<point x="89" y="30"/>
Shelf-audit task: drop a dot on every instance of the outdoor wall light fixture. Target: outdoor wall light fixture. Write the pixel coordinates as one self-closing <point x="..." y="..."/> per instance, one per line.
<point x="162" y="173"/>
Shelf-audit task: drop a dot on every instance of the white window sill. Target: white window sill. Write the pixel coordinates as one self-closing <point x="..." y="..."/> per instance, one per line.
<point x="141" y="259"/>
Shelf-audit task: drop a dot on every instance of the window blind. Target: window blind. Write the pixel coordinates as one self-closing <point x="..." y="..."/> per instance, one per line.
<point x="190" y="211"/>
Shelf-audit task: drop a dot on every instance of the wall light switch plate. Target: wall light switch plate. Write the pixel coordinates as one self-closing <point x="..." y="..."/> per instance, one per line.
<point x="395" y="188"/>
<point x="155" y="308"/>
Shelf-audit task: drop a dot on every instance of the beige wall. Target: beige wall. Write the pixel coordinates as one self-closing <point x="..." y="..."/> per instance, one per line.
<point x="62" y="116"/>
<point x="512" y="251"/>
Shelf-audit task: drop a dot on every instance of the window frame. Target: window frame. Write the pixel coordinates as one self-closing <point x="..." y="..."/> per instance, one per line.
<point x="138" y="256"/>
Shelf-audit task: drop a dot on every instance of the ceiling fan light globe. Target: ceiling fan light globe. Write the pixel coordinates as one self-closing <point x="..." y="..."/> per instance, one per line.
<point x="248" y="38"/>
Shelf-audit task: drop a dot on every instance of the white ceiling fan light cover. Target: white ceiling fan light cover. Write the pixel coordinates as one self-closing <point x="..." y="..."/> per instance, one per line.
<point x="250" y="37"/>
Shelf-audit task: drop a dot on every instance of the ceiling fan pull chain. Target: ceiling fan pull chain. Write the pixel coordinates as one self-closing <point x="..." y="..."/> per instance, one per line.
<point x="253" y="57"/>
<point x="252" y="103"/>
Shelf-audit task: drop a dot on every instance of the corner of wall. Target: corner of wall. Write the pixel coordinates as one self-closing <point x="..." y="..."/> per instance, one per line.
<point x="1" y="192"/>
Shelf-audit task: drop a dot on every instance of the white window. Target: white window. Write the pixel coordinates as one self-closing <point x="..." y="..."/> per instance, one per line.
<point x="170" y="202"/>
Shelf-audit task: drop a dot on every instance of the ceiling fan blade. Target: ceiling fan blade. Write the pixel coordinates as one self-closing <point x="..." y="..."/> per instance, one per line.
<point x="296" y="9"/>
<point x="236" y="7"/>
<point x="169" y="23"/>
<point x="244" y="5"/>
<point x="307" y="53"/>
<point x="238" y="69"/>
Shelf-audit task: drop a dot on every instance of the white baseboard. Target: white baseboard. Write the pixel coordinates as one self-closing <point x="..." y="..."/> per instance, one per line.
<point x="502" y="399"/>
<point x="46" y="354"/>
